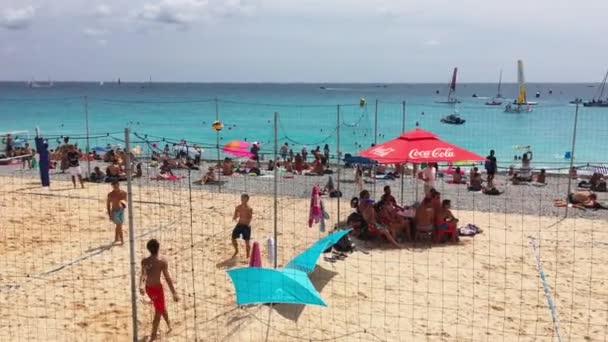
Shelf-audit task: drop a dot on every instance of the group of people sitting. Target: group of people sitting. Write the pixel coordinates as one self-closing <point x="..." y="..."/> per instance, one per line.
<point x="398" y="224"/>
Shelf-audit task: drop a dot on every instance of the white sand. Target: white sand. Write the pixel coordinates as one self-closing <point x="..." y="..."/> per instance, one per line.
<point x="484" y="288"/>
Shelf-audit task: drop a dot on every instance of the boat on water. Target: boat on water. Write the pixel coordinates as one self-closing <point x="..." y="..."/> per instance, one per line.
<point x="451" y="90"/>
<point x="453" y="119"/>
<point x="576" y="100"/>
<point x="497" y="100"/>
<point x="521" y="104"/>
<point x="598" y="100"/>
<point x="34" y="84"/>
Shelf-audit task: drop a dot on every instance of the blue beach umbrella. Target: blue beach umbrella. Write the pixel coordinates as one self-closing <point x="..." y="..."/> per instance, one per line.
<point x="290" y="285"/>
<point x="99" y="149"/>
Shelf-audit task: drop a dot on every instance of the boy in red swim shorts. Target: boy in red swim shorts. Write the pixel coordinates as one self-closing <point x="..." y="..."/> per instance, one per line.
<point x="151" y="269"/>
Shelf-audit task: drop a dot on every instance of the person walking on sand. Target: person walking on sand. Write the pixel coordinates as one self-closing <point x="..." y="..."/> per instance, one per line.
<point x="73" y="157"/>
<point x="149" y="283"/>
<point x="116" y="204"/>
<point x="243" y="214"/>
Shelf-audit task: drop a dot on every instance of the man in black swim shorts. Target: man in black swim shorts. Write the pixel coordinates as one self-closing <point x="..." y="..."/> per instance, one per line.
<point x="243" y="213"/>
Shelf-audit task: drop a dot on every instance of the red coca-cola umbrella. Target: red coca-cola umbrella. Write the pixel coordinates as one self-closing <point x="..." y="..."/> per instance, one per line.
<point x="418" y="146"/>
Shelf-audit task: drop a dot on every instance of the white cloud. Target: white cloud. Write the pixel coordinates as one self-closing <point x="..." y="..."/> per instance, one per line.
<point x="432" y="42"/>
<point x="17" y="19"/>
<point x="102" y="10"/>
<point x="102" y="42"/>
<point x="174" y="12"/>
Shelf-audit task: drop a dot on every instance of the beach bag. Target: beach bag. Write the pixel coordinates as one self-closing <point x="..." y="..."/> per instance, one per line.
<point x="343" y="245"/>
<point x="492" y="192"/>
<point x="469" y="230"/>
<point x="335" y="194"/>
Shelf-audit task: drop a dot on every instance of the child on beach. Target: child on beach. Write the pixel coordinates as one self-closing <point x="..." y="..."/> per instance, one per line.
<point x="116" y="204"/>
<point x="243" y="213"/>
<point x="149" y="283"/>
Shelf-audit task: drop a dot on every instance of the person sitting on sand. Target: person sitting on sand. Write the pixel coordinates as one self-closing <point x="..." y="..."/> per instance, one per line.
<point x="317" y="167"/>
<point x="97" y="176"/>
<point x="425" y="216"/>
<point x="356" y="222"/>
<point x="457" y="176"/>
<point x="299" y="164"/>
<point x="444" y="214"/>
<point x="445" y="218"/>
<point x="149" y="283"/>
<point x="209" y="176"/>
<point x="366" y="206"/>
<point x="388" y="198"/>
<point x="227" y="167"/>
<point x="165" y="168"/>
<point x="288" y="165"/>
<point x="386" y="215"/>
<point x="270" y="165"/>
<point x="541" y="178"/>
<point x="476" y="181"/>
<point x="243" y="214"/>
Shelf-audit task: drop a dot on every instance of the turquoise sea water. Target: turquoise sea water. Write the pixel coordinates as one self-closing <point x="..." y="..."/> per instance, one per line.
<point x="308" y="115"/>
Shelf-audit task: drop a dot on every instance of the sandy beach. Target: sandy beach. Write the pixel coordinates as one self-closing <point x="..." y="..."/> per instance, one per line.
<point x="63" y="281"/>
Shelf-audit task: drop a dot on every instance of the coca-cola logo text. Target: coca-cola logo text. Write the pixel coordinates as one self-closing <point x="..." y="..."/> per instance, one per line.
<point x="382" y="151"/>
<point x="438" y="153"/>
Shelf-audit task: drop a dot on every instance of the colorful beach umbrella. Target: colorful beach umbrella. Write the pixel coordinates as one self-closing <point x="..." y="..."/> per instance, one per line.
<point x="290" y="285"/>
<point x="418" y="146"/>
<point x="237" y="148"/>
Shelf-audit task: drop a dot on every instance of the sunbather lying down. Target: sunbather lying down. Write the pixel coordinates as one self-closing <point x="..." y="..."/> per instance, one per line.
<point x="581" y="200"/>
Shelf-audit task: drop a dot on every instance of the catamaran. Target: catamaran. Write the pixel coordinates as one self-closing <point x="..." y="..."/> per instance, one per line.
<point x="34" y="84"/>
<point x="497" y="100"/>
<point x="598" y="101"/>
<point x="451" y="90"/>
<point x="521" y="104"/>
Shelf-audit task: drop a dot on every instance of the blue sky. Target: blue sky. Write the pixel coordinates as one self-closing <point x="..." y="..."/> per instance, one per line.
<point x="303" y="40"/>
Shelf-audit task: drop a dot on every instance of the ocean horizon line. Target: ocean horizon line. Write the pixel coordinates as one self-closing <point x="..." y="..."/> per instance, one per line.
<point x="114" y="81"/>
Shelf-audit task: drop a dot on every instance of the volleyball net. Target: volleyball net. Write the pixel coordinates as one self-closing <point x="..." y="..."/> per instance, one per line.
<point x="534" y="272"/>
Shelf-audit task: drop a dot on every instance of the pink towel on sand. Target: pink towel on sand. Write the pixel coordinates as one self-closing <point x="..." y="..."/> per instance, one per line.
<point x="256" y="258"/>
<point x="315" y="214"/>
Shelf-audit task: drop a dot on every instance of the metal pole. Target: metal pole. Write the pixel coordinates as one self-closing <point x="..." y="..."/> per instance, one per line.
<point x="86" y="120"/>
<point x="217" y="146"/>
<point x="339" y="157"/>
<point x="129" y="170"/>
<point x="401" y="168"/>
<point x="572" y="153"/>
<point x="375" y="142"/>
<point x="276" y="188"/>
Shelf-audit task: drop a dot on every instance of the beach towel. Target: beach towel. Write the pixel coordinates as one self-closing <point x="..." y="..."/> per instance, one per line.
<point x="170" y="178"/>
<point x="315" y="214"/>
<point x="256" y="258"/>
<point x="324" y="216"/>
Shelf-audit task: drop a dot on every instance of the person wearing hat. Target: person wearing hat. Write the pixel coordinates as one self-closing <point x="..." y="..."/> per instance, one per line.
<point x="116" y="204"/>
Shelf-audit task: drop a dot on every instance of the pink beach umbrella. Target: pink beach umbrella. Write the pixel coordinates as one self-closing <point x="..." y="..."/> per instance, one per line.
<point x="256" y="258"/>
<point x="238" y="148"/>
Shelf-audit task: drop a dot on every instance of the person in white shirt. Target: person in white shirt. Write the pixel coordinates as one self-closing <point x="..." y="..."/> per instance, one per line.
<point x="428" y="175"/>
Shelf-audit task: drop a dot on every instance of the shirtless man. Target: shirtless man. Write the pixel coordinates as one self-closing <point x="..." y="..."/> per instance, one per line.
<point x="369" y="215"/>
<point x="149" y="283"/>
<point x="425" y="216"/>
<point x="243" y="213"/>
<point x="116" y="204"/>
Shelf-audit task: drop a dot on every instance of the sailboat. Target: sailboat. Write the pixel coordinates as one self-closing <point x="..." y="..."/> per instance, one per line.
<point x="598" y="101"/>
<point x="496" y="100"/>
<point x="451" y="90"/>
<point x="521" y="104"/>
